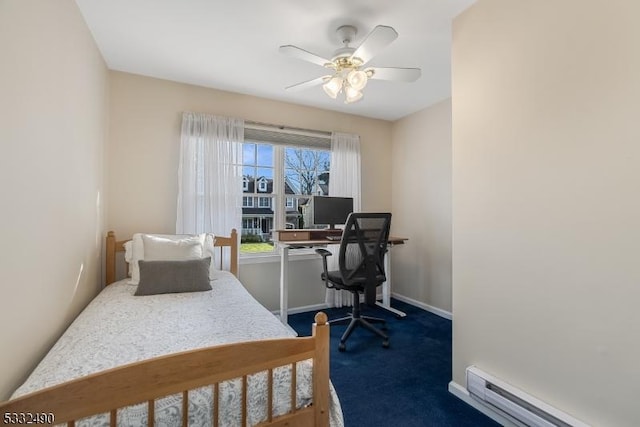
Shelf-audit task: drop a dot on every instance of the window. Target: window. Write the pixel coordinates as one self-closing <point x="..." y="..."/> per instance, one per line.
<point x="262" y="184"/>
<point x="306" y="173"/>
<point x="249" y="224"/>
<point x="281" y="178"/>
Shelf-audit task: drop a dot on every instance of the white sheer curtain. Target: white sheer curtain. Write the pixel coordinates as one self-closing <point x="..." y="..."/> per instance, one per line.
<point x="344" y="181"/>
<point x="210" y="174"/>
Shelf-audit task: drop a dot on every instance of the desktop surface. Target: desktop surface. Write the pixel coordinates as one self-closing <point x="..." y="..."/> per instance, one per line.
<point x="319" y="236"/>
<point x="293" y="235"/>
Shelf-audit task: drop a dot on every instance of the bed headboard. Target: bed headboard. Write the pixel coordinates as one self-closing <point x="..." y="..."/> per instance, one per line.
<point x="114" y="246"/>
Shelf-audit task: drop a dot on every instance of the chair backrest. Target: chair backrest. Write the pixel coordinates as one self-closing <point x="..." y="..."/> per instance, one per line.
<point x="362" y="248"/>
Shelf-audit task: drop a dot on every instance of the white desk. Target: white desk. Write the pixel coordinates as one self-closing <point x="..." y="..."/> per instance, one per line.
<point x="307" y="239"/>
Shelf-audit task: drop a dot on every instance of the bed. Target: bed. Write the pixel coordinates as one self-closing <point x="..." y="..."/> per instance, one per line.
<point x="208" y="358"/>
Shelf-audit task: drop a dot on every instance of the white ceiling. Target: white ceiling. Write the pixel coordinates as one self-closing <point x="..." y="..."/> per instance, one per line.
<point x="233" y="45"/>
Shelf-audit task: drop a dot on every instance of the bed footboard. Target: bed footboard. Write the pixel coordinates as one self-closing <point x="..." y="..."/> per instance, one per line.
<point x="146" y="381"/>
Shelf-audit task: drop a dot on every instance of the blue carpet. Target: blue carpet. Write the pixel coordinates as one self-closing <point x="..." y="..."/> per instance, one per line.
<point x="404" y="385"/>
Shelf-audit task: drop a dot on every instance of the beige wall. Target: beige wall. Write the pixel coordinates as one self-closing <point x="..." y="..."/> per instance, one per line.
<point x="546" y="184"/>
<point x="421" y="202"/>
<point x="53" y="86"/>
<point x="143" y="157"/>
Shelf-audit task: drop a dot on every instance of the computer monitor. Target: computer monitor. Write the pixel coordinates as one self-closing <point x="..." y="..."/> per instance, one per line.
<point x="331" y="210"/>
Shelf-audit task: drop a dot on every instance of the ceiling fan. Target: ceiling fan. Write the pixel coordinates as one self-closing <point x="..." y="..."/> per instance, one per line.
<point x="348" y="72"/>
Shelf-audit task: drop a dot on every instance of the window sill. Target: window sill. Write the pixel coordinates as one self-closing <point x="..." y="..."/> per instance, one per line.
<point x="294" y="255"/>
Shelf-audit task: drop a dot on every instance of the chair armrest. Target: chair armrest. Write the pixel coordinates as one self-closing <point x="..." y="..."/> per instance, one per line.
<point x="323" y="252"/>
<point x="325" y="275"/>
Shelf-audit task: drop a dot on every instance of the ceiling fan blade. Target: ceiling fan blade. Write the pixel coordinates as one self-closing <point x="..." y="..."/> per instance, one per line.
<point x="379" y="38"/>
<point x="296" y="52"/>
<point x="308" y="83"/>
<point x="395" y="74"/>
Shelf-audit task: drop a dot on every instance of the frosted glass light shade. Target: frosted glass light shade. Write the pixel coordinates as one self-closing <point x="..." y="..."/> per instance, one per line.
<point x="357" y="79"/>
<point x="333" y="86"/>
<point x="351" y="95"/>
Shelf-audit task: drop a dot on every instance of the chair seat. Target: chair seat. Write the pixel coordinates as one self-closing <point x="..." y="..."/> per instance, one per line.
<point x="336" y="278"/>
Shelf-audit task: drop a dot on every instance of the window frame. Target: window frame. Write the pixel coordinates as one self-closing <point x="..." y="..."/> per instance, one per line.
<point x="277" y="197"/>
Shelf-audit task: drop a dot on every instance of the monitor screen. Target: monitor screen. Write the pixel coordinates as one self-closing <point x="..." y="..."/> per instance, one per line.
<point x="331" y="210"/>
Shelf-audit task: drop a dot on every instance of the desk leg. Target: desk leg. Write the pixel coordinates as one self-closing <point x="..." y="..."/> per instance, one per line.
<point x="386" y="289"/>
<point x="284" y="283"/>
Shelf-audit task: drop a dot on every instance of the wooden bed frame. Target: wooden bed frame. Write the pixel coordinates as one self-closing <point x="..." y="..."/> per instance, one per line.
<point x="148" y="380"/>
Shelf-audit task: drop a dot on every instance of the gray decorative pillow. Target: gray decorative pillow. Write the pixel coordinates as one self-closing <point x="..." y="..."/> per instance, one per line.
<point x="165" y="277"/>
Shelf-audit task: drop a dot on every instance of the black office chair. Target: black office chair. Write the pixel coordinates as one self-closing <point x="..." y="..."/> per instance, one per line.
<point x="361" y="267"/>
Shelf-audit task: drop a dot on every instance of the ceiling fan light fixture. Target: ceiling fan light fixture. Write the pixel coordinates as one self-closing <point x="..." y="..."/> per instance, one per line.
<point x="351" y="95"/>
<point x="333" y="86"/>
<point x="349" y="71"/>
<point x="357" y="79"/>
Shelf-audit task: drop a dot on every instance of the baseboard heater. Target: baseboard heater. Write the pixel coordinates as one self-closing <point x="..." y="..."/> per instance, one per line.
<point x="515" y="403"/>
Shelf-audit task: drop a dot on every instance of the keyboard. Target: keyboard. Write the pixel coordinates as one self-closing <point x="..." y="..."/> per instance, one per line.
<point x="334" y="238"/>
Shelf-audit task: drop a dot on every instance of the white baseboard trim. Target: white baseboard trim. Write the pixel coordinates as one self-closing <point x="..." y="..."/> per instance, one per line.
<point x="296" y="310"/>
<point x="461" y="393"/>
<point x="435" y="310"/>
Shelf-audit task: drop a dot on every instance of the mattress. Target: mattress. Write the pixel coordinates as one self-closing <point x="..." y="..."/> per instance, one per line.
<point x="118" y="328"/>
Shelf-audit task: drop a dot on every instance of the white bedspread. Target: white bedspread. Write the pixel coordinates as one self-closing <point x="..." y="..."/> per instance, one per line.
<point x="118" y="328"/>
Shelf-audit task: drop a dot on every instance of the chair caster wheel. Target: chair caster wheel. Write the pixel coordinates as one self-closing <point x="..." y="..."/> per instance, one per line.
<point x="385" y="344"/>
<point x="342" y="347"/>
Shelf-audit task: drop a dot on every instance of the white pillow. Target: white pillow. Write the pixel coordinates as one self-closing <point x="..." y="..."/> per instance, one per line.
<point x="135" y="250"/>
<point x="128" y="255"/>
<point x="209" y="250"/>
<point x="163" y="249"/>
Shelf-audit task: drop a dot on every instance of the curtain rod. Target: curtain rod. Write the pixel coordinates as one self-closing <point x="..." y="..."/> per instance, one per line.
<point x="287" y="129"/>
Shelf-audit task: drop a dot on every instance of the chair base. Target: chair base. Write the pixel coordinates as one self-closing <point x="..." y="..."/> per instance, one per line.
<point x="364" y="321"/>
